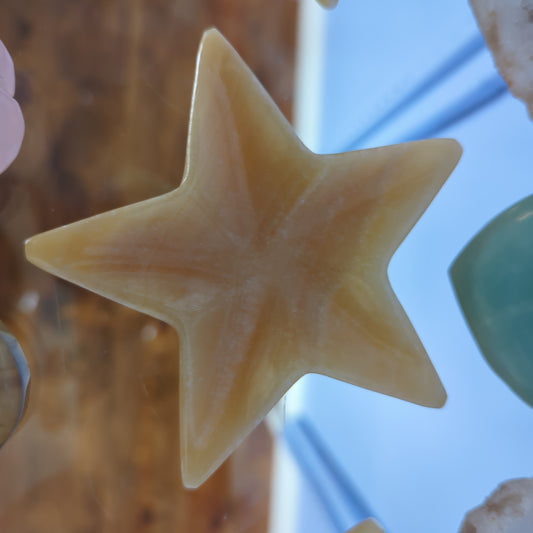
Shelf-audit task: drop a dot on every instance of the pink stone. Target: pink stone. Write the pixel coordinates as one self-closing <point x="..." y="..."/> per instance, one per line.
<point x="11" y="120"/>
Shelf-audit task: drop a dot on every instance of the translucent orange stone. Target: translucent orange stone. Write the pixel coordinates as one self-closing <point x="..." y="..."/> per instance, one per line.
<point x="270" y="261"/>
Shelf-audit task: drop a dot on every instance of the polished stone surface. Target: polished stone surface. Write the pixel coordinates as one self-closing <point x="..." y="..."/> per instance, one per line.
<point x="269" y="261"/>
<point x="493" y="282"/>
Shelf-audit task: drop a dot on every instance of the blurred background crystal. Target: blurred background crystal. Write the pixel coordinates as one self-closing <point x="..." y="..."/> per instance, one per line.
<point x="14" y="383"/>
<point x="12" y="122"/>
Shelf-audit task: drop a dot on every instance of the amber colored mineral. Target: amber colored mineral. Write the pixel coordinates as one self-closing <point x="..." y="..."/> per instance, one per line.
<point x="270" y="261"/>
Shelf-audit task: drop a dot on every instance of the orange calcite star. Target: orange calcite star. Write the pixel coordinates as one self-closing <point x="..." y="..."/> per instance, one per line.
<point x="270" y="261"/>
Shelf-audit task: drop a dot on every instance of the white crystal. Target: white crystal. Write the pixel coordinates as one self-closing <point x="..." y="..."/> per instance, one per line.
<point x="509" y="509"/>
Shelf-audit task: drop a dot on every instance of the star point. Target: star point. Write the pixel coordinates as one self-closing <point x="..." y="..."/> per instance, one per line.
<point x="269" y="260"/>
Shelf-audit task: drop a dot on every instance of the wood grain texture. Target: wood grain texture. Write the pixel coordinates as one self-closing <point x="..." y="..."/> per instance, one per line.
<point x="105" y="89"/>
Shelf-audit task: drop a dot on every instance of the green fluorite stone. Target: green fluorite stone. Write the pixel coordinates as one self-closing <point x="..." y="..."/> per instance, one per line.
<point x="493" y="282"/>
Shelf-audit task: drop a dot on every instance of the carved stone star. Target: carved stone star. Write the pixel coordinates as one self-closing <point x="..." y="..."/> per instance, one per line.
<point x="269" y="260"/>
